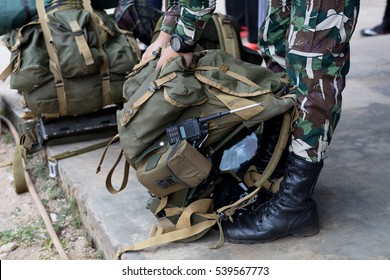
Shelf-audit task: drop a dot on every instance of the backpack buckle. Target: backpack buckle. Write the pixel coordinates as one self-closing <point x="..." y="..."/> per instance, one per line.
<point x="153" y="86"/>
<point x="223" y="217"/>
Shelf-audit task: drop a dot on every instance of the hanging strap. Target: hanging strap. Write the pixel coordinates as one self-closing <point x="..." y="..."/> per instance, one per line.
<point x="126" y="170"/>
<point x="80" y="151"/>
<point x="8" y="70"/>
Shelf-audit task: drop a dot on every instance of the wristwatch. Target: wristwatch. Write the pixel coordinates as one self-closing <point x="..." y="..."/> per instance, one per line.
<point x="178" y="44"/>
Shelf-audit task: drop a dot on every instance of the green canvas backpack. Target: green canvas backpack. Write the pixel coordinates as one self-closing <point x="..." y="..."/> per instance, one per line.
<point x="15" y="14"/>
<point x="71" y="61"/>
<point x="180" y="176"/>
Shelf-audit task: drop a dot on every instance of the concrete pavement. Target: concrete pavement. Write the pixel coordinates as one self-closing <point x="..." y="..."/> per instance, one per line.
<point x="352" y="193"/>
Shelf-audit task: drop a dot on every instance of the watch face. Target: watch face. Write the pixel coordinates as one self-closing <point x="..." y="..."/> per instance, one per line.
<point x="175" y="43"/>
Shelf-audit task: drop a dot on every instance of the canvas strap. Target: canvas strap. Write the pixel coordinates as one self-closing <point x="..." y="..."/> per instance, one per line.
<point x="183" y="229"/>
<point x="81" y="43"/>
<point x="231" y="99"/>
<point x="101" y="31"/>
<point x="53" y="62"/>
<point x="136" y="106"/>
<point x="227" y="36"/>
<point x="126" y="171"/>
<point x="8" y="70"/>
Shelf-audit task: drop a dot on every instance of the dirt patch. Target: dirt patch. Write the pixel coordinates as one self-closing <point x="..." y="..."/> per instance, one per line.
<point x="23" y="235"/>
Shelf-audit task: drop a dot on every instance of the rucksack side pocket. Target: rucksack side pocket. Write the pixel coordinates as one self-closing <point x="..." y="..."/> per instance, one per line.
<point x="172" y="168"/>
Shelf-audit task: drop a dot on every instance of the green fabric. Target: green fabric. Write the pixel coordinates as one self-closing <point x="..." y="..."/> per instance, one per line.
<point x="83" y="83"/>
<point x="160" y="110"/>
<point x="141" y="123"/>
<point x="15" y="14"/>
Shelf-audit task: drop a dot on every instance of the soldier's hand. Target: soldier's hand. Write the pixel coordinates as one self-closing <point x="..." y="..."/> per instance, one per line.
<point x="167" y="52"/>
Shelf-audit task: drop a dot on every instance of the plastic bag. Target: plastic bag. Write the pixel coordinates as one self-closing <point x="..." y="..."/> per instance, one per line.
<point x="244" y="150"/>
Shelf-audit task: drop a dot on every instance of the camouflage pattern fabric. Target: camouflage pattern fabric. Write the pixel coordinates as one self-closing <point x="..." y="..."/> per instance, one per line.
<point x="310" y="41"/>
<point x="187" y="18"/>
<point x="137" y="16"/>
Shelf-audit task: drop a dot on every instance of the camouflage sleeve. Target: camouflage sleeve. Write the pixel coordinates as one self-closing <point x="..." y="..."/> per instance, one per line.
<point x="171" y="17"/>
<point x="187" y="18"/>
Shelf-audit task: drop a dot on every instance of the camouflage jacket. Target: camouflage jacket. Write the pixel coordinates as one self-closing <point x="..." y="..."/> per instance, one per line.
<point x="187" y="18"/>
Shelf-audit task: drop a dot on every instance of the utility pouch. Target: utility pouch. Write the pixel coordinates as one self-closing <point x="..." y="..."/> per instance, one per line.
<point x="164" y="169"/>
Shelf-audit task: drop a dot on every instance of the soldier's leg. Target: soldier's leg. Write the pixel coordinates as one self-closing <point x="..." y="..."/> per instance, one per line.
<point x="273" y="34"/>
<point x="317" y="61"/>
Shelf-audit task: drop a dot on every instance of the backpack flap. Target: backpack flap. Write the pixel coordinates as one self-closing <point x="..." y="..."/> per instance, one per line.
<point x="232" y="84"/>
<point x="155" y="99"/>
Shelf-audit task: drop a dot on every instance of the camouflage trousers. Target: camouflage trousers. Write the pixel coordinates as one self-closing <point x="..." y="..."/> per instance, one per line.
<point x="309" y="40"/>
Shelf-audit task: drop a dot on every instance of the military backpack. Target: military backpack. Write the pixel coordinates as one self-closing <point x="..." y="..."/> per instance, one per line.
<point x="180" y="171"/>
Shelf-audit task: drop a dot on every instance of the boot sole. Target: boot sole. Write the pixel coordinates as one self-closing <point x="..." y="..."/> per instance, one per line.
<point x="306" y="232"/>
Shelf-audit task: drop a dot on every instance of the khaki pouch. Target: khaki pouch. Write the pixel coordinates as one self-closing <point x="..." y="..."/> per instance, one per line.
<point x="164" y="169"/>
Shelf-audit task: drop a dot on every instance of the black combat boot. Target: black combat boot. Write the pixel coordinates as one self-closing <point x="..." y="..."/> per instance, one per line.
<point x="290" y="211"/>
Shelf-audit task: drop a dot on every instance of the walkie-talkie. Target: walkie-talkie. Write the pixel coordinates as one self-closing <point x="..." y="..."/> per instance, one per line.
<point x="195" y="130"/>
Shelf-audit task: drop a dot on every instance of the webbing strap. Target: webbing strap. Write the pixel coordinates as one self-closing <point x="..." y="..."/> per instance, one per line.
<point x="144" y="62"/>
<point x="237" y="76"/>
<point x="104" y="66"/>
<point x="133" y="43"/>
<point x="227" y="36"/>
<point x="251" y="176"/>
<point x="167" y="237"/>
<point x="8" y="70"/>
<point x="183" y="229"/>
<point x="234" y="102"/>
<point x="198" y="206"/>
<point x="80" y="151"/>
<point x="81" y="43"/>
<point x="18" y="163"/>
<point x="136" y="106"/>
<point x="18" y="169"/>
<point x="126" y="170"/>
<point x="5" y="163"/>
<point x="54" y="62"/>
<point x="154" y="85"/>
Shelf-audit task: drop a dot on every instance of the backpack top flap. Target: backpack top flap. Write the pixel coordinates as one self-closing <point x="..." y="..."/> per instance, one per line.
<point x="155" y="99"/>
<point x="232" y="84"/>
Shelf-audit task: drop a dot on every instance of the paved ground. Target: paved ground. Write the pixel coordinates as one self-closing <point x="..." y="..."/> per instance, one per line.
<point x="352" y="193"/>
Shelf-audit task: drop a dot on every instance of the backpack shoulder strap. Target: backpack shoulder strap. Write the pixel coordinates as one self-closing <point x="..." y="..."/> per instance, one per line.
<point x="54" y="62"/>
<point x="228" y="38"/>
